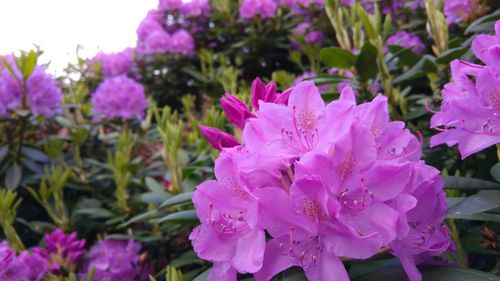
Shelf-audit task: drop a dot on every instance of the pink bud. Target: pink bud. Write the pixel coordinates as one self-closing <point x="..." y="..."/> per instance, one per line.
<point x="217" y="138"/>
<point x="236" y="111"/>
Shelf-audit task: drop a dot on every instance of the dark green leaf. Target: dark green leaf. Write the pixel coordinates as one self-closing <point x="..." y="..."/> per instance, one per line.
<point x="406" y="56"/>
<point x="366" y="64"/>
<point x="95" y="212"/>
<point x="495" y="172"/>
<point x="478" y="25"/>
<point x="447" y="56"/>
<point x="453" y="182"/>
<point x="3" y="152"/>
<point x="182" y="217"/>
<point x="177" y="199"/>
<point x="13" y="177"/>
<point x="337" y="57"/>
<point x="477" y="217"/>
<point x="481" y="202"/>
<point x="34" y="154"/>
<point x="425" y="65"/>
<point x="430" y="273"/>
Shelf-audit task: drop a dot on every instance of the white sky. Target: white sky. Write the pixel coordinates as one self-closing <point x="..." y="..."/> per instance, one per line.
<point x="58" y="26"/>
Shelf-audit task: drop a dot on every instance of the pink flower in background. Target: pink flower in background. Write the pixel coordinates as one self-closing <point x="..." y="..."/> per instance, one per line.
<point x="469" y="114"/>
<point x="114" y="64"/>
<point x="43" y="95"/>
<point x="182" y="43"/>
<point x="310" y="36"/>
<point x="327" y="181"/>
<point x="10" y="92"/>
<point x="236" y="110"/>
<point x="262" y="8"/>
<point x="64" y="249"/>
<point x="169" y="5"/>
<point x="24" y="267"/>
<point x="149" y="24"/>
<point x="457" y="11"/>
<point x="406" y="40"/>
<point x="157" y="42"/>
<point x="119" y="97"/>
<point x="115" y="260"/>
<point x="196" y="8"/>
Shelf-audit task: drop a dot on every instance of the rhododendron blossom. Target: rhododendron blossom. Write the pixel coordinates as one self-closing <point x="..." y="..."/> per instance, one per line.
<point x="42" y="97"/>
<point x="469" y="114"/>
<point x="114" y="64"/>
<point x="325" y="181"/>
<point x="406" y="40"/>
<point x="262" y="8"/>
<point x="119" y="98"/>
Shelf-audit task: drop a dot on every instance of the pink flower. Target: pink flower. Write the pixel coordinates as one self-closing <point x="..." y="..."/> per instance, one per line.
<point x="263" y="8"/>
<point x="114" y="64"/>
<point x="406" y="40"/>
<point x="469" y="114"/>
<point x="310" y="36"/>
<point x="229" y="235"/>
<point x="196" y="8"/>
<point x="182" y="43"/>
<point x="149" y="24"/>
<point x="158" y="41"/>
<point x="169" y="5"/>
<point x="267" y="93"/>
<point x="119" y="97"/>
<point x="325" y="181"/>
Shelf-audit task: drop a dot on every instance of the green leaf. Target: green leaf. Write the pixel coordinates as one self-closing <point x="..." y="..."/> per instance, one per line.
<point x="35" y="154"/>
<point x="30" y="64"/>
<point x="481" y="202"/>
<point x="447" y="56"/>
<point x="366" y="64"/>
<point x="177" y="199"/>
<point x="406" y="56"/>
<point x="478" y="25"/>
<point x="477" y="217"/>
<point x="95" y="213"/>
<point x="430" y="273"/>
<point x="138" y="218"/>
<point x="182" y="217"/>
<point x="462" y="183"/>
<point x="337" y="57"/>
<point x="494" y="171"/>
<point x="203" y="276"/>
<point x="13" y="177"/>
<point x="425" y="65"/>
<point x="3" y="152"/>
<point x="154" y="185"/>
<point x="370" y="30"/>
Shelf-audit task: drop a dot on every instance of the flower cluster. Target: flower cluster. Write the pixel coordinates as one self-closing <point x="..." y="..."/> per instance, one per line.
<point x="40" y="94"/>
<point x="114" y="64"/>
<point x="24" y="267"/>
<point x="262" y="8"/>
<point x="406" y="40"/>
<point x="119" y="97"/>
<point x="325" y="181"/>
<point x="63" y="250"/>
<point x="115" y="260"/>
<point x="153" y="38"/>
<point x="470" y="111"/>
<point x="309" y="35"/>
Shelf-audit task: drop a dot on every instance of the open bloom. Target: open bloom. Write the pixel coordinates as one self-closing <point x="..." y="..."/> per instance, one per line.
<point x="406" y="40"/>
<point x="262" y="8"/>
<point x="43" y="95"/>
<point x="182" y="42"/>
<point x="24" y="267"/>
<point x="114" y="64"/>
<point x="229" y="235"/>
<point x="115" y="260"/>
<point x="470" y="111"/>
<point x="325" y="181"/>
<point x="119" y="97"/>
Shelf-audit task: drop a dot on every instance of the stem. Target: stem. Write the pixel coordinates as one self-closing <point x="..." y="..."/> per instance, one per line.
<point x="12" y="237"/>
<point x="455" y="234"/>
<point x="21" y="140"/>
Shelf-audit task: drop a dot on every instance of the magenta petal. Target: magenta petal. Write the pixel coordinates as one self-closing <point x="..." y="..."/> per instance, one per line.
<point x="222" y="271"/>
<point x="275" y="259"/>
<point x="329" y="268"/>
<point x="249" y="253"/>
